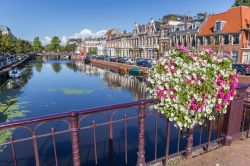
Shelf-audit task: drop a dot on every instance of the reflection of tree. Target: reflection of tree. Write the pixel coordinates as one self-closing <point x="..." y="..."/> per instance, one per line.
<point x="38" y="67"/>
<point x="72" y="66"/>
<point x="56" y="67"/>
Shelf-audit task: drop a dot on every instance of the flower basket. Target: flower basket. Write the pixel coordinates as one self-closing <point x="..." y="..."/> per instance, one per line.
<point x="192" y="86"/>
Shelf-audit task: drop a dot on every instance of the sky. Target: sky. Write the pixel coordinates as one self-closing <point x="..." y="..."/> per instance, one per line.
<point x="66" y="18"/>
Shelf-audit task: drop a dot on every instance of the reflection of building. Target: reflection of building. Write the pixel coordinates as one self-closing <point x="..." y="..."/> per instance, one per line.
<point x="228" y="34"/>
<point x="113" y="80"/>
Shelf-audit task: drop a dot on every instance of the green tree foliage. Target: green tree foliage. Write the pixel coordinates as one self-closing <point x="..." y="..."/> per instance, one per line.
<point x="55" y="43"/>
<point x="93" y="51"/>
<point x="68" y="48"/>
<point x="14" y="46"/>
<point x="37" y="45"/>
<point x="7" y="45"/>
<point x="242" y="3"/>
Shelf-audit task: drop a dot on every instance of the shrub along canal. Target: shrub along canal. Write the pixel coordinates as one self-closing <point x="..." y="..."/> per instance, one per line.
<point x="55" y="86"/>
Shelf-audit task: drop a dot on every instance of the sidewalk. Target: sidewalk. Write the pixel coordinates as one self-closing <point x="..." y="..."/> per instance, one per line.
<point x="236" y="155"/>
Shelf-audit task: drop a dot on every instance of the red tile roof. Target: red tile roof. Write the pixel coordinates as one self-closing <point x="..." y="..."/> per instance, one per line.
<point x="236" y="18"/>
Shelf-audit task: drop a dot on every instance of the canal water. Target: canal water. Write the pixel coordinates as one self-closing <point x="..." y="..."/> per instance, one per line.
<point x="55" y="86"/>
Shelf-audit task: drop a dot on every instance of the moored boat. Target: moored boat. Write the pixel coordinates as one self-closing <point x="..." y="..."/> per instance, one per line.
<point x="15" y="73"/>
<point x="135" y="71"/>
<point x="86" y="60"/>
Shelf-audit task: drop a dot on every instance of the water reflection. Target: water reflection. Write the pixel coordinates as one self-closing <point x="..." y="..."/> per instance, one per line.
<point x="113" y="80"/>
<point x="10" y="106"/>
<point x="56" y="67"/>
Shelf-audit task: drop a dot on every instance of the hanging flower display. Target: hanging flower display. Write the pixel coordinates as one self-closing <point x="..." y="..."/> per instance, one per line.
<point x="192" y="86"/>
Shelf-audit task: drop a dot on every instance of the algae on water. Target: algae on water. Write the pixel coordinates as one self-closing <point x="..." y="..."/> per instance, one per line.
<point x="10" y="110"/>
<point x="70" y="91"/>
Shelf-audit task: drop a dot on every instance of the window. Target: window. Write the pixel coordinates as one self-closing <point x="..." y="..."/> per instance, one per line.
<point x="193" y="40"/>
<point x="216" y="40"/>
<point x="195" y="25"/>
<point x="246" y="58"/>
<point x="201" y="41"/>
<point x="185" y="41"/>
<point x="226" y="39"/>
<point x="174" y="28"/>
<point x="225" y="54"/>
<point x="218" y="26"/>
<point x="235" y="57"/>
<point x="178" y="40"/>
<point x="182" y="28"/>
<point x="208" y="40"/>
<point x="236" y="39"/>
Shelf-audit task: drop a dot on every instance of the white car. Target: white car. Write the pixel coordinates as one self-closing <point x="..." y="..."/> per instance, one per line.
<point x="130" y="61"/>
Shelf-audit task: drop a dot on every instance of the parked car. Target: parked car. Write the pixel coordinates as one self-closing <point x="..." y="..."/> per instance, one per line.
<point x="112" y="59"/>
<point x="143" y="63"/>
<point x="242" y="69"/>
<point x="130" y="61"/>
<point x="122" y="59"/>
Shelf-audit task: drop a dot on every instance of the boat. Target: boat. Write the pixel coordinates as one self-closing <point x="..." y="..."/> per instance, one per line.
<point x="86" y="60"/>
<point x="123" y="70"/>
<point x="15" y="73"/>
<point x="135" y="71"/>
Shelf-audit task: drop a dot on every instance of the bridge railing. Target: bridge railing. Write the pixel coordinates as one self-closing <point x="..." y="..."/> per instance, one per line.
<point x="156" y="138"/>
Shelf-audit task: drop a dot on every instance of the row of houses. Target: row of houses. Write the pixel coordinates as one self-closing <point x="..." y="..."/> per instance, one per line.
<point x="227" y="33"/>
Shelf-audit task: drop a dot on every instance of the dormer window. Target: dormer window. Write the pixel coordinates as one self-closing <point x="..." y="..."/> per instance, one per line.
<point x="182" y="28"/>
<point x="195" y="25"/>
<point x="174" y="28"/>
<point x="219" y="25"/>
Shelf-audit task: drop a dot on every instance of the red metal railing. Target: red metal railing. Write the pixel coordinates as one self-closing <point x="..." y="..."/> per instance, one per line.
<point x="74" y="119"/>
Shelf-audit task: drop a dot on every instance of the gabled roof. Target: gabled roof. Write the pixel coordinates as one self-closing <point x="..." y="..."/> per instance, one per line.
<point x="236" y="19"/>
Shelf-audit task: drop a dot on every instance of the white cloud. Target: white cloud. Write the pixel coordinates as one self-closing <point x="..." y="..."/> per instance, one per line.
<point x="87" y="33"/>
<point x="46" y="40"/>
<point x="64" y="40"/>
<point x="83" y="34"/>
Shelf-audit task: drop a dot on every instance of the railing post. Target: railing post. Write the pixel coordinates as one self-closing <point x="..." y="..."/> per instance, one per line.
<point x="141" y="135"/>
<point x="233" y="117"/>
<point x="188" y="153"/>
<point x="74" y="132"/>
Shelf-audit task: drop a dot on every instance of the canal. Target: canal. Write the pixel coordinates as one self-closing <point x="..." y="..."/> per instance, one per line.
<point x="54" y="86"/>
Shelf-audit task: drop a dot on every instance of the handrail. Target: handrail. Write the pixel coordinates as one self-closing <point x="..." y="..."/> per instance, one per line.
<point x="79" y="112"/>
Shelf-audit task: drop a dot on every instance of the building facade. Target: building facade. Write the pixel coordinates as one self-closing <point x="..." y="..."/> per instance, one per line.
<point x="168" y="24"/>
<point x="6" y="31"/>
<point x="228" y="34"/>
<point x="143" y="42"/>
<point x="185" y="33"/>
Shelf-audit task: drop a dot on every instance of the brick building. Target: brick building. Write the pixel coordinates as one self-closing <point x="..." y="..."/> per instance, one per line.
<point x="168" y="23"/>
<point x="185" y="33"/>
<point x="228" y="34"/>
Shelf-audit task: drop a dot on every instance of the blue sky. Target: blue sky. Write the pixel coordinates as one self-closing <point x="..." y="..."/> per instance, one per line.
<point x="30" y="18"/>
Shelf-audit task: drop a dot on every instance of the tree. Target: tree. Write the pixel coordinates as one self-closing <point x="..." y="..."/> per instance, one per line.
<point x="37" y="45"/>
<point x="55" y="43"/>
<point x="92" y="51"/>
<point x="7" y="45"/>
<point x="242" y="3"/>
